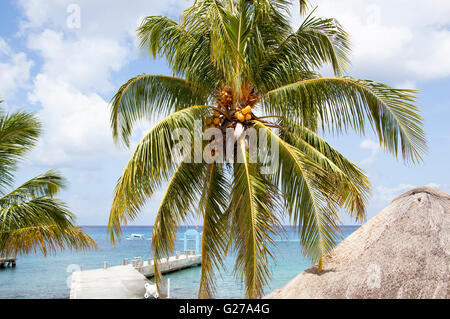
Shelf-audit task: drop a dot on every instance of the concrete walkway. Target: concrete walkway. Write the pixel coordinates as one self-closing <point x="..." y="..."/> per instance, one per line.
<point x="171" y="264"/>
<point x="120" y="282"/>
<point x="124" y="282"/>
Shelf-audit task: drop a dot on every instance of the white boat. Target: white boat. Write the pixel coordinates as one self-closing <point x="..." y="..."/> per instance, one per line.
<point x="136" y="237"/>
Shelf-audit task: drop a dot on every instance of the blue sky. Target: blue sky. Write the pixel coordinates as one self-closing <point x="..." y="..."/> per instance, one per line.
<point x="68" y="75"/>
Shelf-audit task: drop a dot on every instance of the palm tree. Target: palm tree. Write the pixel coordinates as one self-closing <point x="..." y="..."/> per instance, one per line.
<point x="31" y="219"/>
<point x="240" y="65"/>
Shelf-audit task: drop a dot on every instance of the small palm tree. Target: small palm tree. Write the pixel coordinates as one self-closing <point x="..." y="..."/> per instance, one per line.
<point x="238" y="64"/>
<point x="31" y="219"/>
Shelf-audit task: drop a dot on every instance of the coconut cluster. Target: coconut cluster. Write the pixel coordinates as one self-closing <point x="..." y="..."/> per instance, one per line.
<point x="244" y="114"/>
<point x="234" y="107"/>
<point x="246" y="103"/>
<point x="216" y="121"/>
<point x="225" y="98"/>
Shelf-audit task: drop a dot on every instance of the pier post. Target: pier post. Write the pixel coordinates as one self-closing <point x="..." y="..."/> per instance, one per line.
<point x="168" y="288"/>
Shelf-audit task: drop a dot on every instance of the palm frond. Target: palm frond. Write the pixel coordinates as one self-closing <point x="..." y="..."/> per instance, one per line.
<point x="215" y="221"/>
<point x="30" y="218"/>
<point x="254" y="204"/>
<point x="152" y="163"/>
<point x="343" y="103"/>
<point x="44" y="238"/>
<point x="177" y="204"/>
<point x="47" y="184"/>
<point x="216" y="19"/>
<point x="40" y="223"/>
<point x="19" y="128"/>
<point x="304" y="4"/>
<point x="352" y="185"/>
<point x="147" y="96"/>
<point x="19" y="131"/>
<point x="318" y="41"/>
<point x="186" y="49"/>
<point x="308" y="192"/>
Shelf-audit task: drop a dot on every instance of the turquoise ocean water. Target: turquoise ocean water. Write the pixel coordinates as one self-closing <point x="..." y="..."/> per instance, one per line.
<point x="39" y="277"/>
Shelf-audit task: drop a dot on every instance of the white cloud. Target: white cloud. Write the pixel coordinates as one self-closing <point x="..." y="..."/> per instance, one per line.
<point x="85" y="63"/>
<point x="14" y="70"/>
<point x="408" y="84"/>
<point x="100" y="17"/>
<point x="105" y="41"/>
<point x="76" y="125"/>
<point x="78" y="63"/>
<point x="435" y="185"/>
<point x="395" y="41"/>
<point x="374" y="149"/>
<point x="387" y="194"/>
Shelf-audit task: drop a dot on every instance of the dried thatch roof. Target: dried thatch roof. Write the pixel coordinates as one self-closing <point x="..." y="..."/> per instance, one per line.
<point x="403" y="252"/>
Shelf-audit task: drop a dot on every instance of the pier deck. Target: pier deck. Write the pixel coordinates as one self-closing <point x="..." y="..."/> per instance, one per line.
<point x="171" y="264"/>
<point x="120" y="282"/>
<point x="124" y="282"/>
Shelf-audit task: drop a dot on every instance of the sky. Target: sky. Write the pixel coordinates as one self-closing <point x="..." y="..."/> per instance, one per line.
<point x="65" y="60"/>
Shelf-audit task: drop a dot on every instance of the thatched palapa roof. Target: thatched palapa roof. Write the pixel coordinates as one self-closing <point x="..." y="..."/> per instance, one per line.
<point x="403" y="252"/>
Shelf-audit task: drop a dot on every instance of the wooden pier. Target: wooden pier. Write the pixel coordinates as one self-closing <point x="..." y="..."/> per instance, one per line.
<point x="126" y="281"/>
<point x="5" y="262"/>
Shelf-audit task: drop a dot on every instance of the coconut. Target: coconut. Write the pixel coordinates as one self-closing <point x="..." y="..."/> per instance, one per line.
<point x="247" y="110"/>
<point x="240" y="116"/>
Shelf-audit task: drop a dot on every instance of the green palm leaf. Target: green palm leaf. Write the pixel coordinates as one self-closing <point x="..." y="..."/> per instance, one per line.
<point x="44" y="238"/>
<point x="47" y="184"/>
<point x="30" y="218"/>
<point x="350" y="179"/>
<point x="317" y="42"/>
<point x="177" y="204"/>
<point x="19" y="132"/>
<point x="152" y="163"/>
<point x="215" y="232"/>
<point x="186" y="49"/>
<point x="303" y="6"/>
<point x="253" y="203"/>
<point x="40" y="223"/>
<point x="224" y="52"/>
<point x="306" y="187"/>
<point x="146" y="96"/>
<point x="343" y="103"/>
